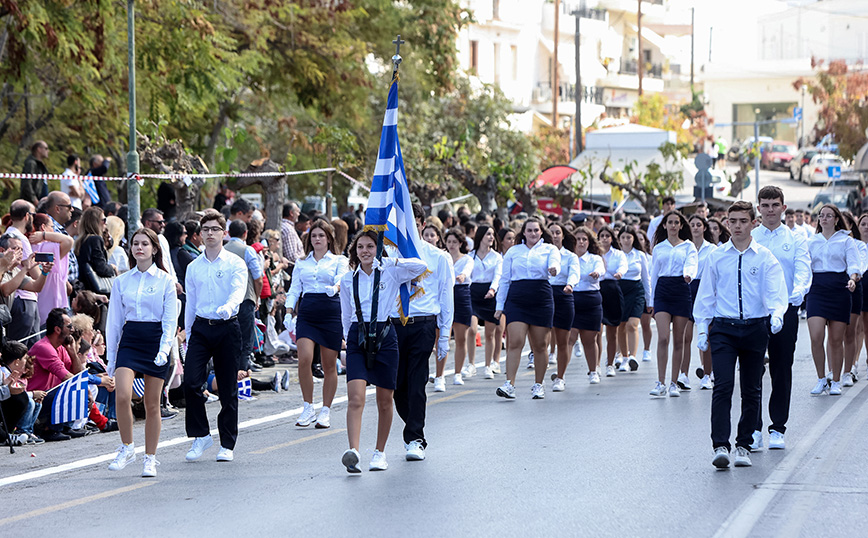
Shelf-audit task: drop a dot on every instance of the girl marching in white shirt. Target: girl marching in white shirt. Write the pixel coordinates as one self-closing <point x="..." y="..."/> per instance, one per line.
<point x="647" y="332"/>
<point x="378" y="366"/>
<point x="636" y="289"/>
<point x="456" y="245"/>
<point x="588" y="301"/>
<point x="562" y="294"/>
<point x="613" y="297"/>
<point x="703" y="241"/>
<point x="863" y="233"/>
<point x="487" y="266"/>
<point x="674" y="264"/>
<point x="525" y="298"/>
<point x="316" y="281"/>
<point x="142" y="322"/>
<point x="853" y="333"/>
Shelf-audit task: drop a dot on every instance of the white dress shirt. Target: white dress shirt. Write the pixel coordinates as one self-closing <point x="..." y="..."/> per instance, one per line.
<point x="524" y="263"/>
<point x="863" y="254"/>
<point x="167" y="256"/>
<point x="487" y="269"/>
<point x="615" y="262"/>
<point x="434" y="291"/>
<point x="790" y="247"/>
<point x="637" y="270"/>
<point x="652" y="226"/>
<point x="796" y="229"/>
<point x="740" y="285"/>
<point x="667" y="260"/>
<point x="395" y="271"/>
<point x="215" y="289"/>
<point x="569" y="274"/>
<point x="836" y="255"/>
<point x="464" y="266"/>
<point x="702" y="254"/>
<point x="590" y="263"/>
<point x="312" y="276"/>
<point x="141" y="296"/>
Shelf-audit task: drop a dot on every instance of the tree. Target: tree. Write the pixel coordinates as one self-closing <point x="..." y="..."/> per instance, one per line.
<point x="654" y="111"/>
<point x="648" y="186"/>
<point x="171" y="157"/>
<point x="842" y="95"/>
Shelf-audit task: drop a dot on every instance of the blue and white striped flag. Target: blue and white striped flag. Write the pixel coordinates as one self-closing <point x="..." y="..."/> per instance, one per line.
<point x="139" y="387"/>
<point x="389" y="206"/>
<point x="245" y="389"/>
<point x="70" y="399"/>
<point x="90" y="189"/>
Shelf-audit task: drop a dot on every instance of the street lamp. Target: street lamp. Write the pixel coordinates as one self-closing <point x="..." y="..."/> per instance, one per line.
<point x="133" y="154"/>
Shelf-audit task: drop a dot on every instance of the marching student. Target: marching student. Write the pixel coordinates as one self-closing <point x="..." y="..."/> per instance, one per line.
<point x="790" y="248"/>
<point x="701" y="237"/>
<point x="645" y="320"/>
<point x="487" y="266"/>
<point x="462" y="265"/>
<point x="525" y="298"/>
<point x="636" y="289"/>
<point x="316" y="280"/>
<point x="836" y="267"/>
<point x="673" y="265"/>
<point x="562" y="295"/>
<point x="216" y="285"/>
<point x="588" y="302"/>
<point x="613" y="297"/>
<point x="719" y="232"/>
<point x="742" y="296"/>
<point x="863" y="233"/>
<point x="851" y="349"/>
<point x="367" y="361"/>
<point x="142" y="322"/>
<point x="506" y="237"/>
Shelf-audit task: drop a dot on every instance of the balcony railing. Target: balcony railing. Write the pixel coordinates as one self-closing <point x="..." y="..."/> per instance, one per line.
<point x="631" y="67"/>
<point x="590" y="94"/>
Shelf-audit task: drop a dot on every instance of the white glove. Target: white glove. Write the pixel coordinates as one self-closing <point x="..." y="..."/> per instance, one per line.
<point x="161" y="359"/>
<point x="110" y="369"/>
<point x="442" y="347"/>
<point x="777" y="325"/>
<point x="224" y="312"/>
<point x="290" y="323"/>
<point x="702" y="342"/>
<point x="331" y="291"/>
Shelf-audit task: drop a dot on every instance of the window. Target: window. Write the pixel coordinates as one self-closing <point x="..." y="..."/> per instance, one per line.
<point x="474" y="57"/>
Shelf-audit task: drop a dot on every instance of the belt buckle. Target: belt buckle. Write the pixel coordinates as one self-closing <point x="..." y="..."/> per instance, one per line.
<point x="214" y="321"/>
<point x="411" y="320"/>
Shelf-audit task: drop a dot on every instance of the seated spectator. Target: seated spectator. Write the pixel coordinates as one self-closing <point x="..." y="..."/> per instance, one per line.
<point x="45" y="239"/>
<point x="13" y="397"/>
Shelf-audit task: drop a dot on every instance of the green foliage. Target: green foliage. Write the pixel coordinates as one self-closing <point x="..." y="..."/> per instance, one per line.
<point x="656" y="181"/>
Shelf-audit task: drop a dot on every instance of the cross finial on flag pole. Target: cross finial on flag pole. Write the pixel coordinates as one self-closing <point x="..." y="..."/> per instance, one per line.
<point x="396" y="59"/>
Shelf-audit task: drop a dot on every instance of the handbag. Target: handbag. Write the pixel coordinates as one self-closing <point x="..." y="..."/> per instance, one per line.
<point x="95" y="283"/>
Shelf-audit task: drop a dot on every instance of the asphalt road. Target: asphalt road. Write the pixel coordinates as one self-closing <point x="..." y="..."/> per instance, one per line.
<point x="596" y="460"/>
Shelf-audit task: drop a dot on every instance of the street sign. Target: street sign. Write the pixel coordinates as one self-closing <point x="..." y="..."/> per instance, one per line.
<point x="834" y="172"/>
<point x="797" y="113"/>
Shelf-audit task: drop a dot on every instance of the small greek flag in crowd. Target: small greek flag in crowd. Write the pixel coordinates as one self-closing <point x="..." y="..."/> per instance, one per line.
<point x="90" y="189"/>
<point x="70" y="400"/>
<point x="389" y="207"/>
<point x="139" y="387"/>
<point x="245" y="389"/>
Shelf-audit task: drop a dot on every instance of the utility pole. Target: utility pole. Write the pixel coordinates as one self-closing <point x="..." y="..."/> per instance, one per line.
<point x="555" y="92"/>
<point x="692" y="29"/>
<point x="640" y="64"/>
<point x="133" y="155"/>
<point x="710" y="40"/>
<point x="580" y="94"/>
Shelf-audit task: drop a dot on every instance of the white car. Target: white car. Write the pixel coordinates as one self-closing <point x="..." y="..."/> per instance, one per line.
<point x="817" y="169"/>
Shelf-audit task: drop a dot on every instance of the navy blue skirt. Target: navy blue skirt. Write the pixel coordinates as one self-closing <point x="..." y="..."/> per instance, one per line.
<point x="672" y="295"/>
<point x="530" y="301"/>
<point x="634" y="299"/>
<point x="864" y="293"/>
<point x="462" y="307"/>
<point x="139" y="345"/>
<point x="829" y="297"/>
<point x="857" y="295"/>
<point x="319" y="319"/>
<point x="613" y="302"/>
<point x="694" y="289"/>
<point x="384" y="374"/>
<point x="589" y="310"/>
<point x="483" y="308"/>
<point x="565" y="309"/>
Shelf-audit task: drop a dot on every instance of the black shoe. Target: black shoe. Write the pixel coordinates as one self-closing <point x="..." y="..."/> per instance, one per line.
<point x="52" y="435"/>
<point x="75" y="434"/>
<point x="317" y="371"/>
<point x="700" y="372"/>
<point x="267" y="362"/>
<point x="110" y="426"/>
<point x="254" y="367"/>
<point x="165" y="414"/>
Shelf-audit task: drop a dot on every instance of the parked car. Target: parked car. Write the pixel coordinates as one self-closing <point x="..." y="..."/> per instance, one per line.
<point x="817" y="169"/>
<point x="844" y="198"/>
<point x="852" y="179"/>
<point x="802" y="158"/>
<point x="778" y="155"/>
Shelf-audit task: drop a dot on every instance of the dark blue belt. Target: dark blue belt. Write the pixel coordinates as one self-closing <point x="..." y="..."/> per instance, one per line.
<point x="216" y="321"/>
<point x="415" y="319"/>
<point x="740" y="322"/>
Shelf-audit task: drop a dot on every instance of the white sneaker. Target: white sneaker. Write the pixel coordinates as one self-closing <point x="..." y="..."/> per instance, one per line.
<point x="646" y="355"/>
<point x="457" y="380"/>
<point x="538" y="391"/>
<point x="558" y="385"/>
<point x="415" y="451"/>
<point x="275" y="382"/>
<point x="632" y="363"/>
<point x="855" y="372"/>
<point x="835" y="389"/>
<point x="610" y="370"/>
<point x="721" y="458"/>
<point x="659" y="389"/>
<point x="757" y="440"/>
<point x="126" y="455"/>
<point x="683" y="382"/>
<point x="673" y="390"/>
<point x="378" y="462"/>
<point x="322" y="420"/>
<point x="577" y="349"/>
<point x="495" y="367"/>
<point x="200" y="445"/>
<point x="284" y="381"/>
<point x="149" y="469"/>
<point x="776" y="440"/>
<point x="552" y="359"/>
<point x="350" y="460"/>
<point x="487" y="373"/>
<point x="471" y="368"/>
<point x="440" y="384"/>
<point x="625" y="366"/>
<point x="530" y="365"/>
<point x="706" y="383"/>
<point x="507" y="390"/>
<point x="742" y="457"/>
<point x="594" y="378"/>
<point x="225" y="454"/>
<point x="847" y="379"/>
<point x="821" y="386"/>
<point x="308" y="415"/>
<point x="619" y="359"/>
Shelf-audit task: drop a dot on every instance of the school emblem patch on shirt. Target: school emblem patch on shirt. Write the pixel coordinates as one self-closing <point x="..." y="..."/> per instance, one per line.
<point x="787" y="247"/>
<point x="151" y="289"/>
<point x="219" y="274"/>
<point x="754" y="270"/>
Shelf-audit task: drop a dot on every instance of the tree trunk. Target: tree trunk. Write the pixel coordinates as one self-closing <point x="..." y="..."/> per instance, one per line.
<point x="274" y="187"/>
<point x="524" y="194"/>
<point x="216" y="130"/>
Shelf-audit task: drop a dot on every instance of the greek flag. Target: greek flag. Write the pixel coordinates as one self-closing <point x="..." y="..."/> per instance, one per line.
<point x="90" y="189"/>
<point x="70" y="400"/>
<point x="389" y="207"/>
<point x="245" y="389"/>
<point x="139" y="387"/>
